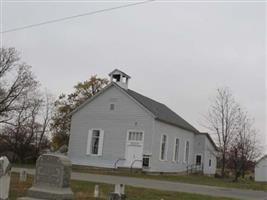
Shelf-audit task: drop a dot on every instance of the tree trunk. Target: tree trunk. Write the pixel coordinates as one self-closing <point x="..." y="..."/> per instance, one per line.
<point x="243" y="169"/>
<point x="237" y="174"/>
<point x="223" y="165"/>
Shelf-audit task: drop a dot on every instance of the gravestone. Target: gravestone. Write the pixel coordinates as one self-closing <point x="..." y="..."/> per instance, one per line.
<point x="114" y="196"/>
<point x="96" y="192"/>
<point x="52" y="179"/>
<point x="120" y="189"/>
<point x="5" y="169"/>
<point x="23" y="175"/>
<point x="119" y="193"/>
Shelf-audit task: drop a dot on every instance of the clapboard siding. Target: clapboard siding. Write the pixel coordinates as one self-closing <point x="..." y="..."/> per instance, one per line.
<point x="205" y="148"/>
<point x="128" y="114"/>
<point x="261" y="170"/>
<point x="172" y="132"/>
<point x="209" y="154"/>
<point x="97" y="114"/>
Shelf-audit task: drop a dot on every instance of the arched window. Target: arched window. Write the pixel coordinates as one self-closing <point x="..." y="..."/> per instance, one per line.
<point x="163" y="148"/>
<point x="176" y="150"/>
<point x="186" y="153"/>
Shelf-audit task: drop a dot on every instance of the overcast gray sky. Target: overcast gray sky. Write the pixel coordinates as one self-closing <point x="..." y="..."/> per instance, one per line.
<point x="176" y="52"/>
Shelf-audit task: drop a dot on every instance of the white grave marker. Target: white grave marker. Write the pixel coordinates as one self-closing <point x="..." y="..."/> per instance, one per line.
<point x="96" y="192"/>
<point x="119" y="193"/>
<point x="5" y="168"/>
<point x="120" y="189"/>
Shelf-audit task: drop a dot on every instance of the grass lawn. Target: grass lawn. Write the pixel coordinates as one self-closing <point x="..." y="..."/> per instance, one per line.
<point x="84" y="191"/>
<point x="193" y="179"/>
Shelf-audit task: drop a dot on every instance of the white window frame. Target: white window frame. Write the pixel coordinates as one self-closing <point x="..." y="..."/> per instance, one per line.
<point x="174" y="150"/>
<point x="185" y="151"/>
<point x="139" y="131"/>
<point x="100" y="144"/>
<point x="166" y="148"/>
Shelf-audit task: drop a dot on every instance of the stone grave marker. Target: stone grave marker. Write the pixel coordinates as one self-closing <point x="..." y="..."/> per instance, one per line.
<point x="52" y="179"/>
<point x="96" y="192"/>
<point x="119" y="193"/>
<point x="23" y="175"/>
<point x="5" y="169"/>
<point x="120" y="189"/>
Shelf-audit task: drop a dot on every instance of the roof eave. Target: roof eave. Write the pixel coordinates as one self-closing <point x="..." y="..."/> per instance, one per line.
<point x="126" y="75"/>
<point x="173" y="124"/>
<point x="103" y="90"/>
<point x="211" y="140"/>
<point x="137" y="102"/>
<point x="262" y="158"/>
<point x="89" y="99"/>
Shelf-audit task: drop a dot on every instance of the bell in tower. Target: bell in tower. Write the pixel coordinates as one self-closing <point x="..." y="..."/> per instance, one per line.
<point x="120" y="78"/>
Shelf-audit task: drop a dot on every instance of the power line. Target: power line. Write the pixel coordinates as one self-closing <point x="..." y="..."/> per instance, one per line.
<point x="74" y="16"/>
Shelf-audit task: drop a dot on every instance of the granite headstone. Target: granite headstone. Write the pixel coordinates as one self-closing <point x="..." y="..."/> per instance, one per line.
<point x="52" y="179"/>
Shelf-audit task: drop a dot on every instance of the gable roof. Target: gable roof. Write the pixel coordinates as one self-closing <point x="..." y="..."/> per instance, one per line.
<point x="161" y="111"/>
<point x="262" y="158"/>
<point x="210" y="139"/>
<point x="102" y="91"/>
<point x="120" y="72"/>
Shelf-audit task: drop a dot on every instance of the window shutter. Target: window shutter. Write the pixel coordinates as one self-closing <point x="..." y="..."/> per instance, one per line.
<point x="88" y="150"/>
<point x="101" y="142"/>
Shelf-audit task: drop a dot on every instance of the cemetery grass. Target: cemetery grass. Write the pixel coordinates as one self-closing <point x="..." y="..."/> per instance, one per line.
<point x="84" y="191"/>
<point x="245" y="183"/>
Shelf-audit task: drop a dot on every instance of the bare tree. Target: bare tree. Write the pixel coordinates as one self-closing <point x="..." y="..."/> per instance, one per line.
<point x="8" y="58"/>
<point x="18" y="134"/>
<point x="25" y="112"/>
<point x="244" y="148"/>
<point x="26" y="135"/>
<point x="11" y="90"/>
<point x="222" y="120"/>
<point x="45" y="117"/>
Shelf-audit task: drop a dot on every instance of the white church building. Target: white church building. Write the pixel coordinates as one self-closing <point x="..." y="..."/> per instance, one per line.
<point x="119" y="127"/>
<point x="261" y="169"/>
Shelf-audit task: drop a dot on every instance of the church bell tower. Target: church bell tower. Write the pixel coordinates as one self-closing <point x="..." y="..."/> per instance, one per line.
<point x="120" y="78"/>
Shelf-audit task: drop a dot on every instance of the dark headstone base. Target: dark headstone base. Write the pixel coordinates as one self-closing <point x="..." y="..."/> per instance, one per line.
<point x="116" y="196"/>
